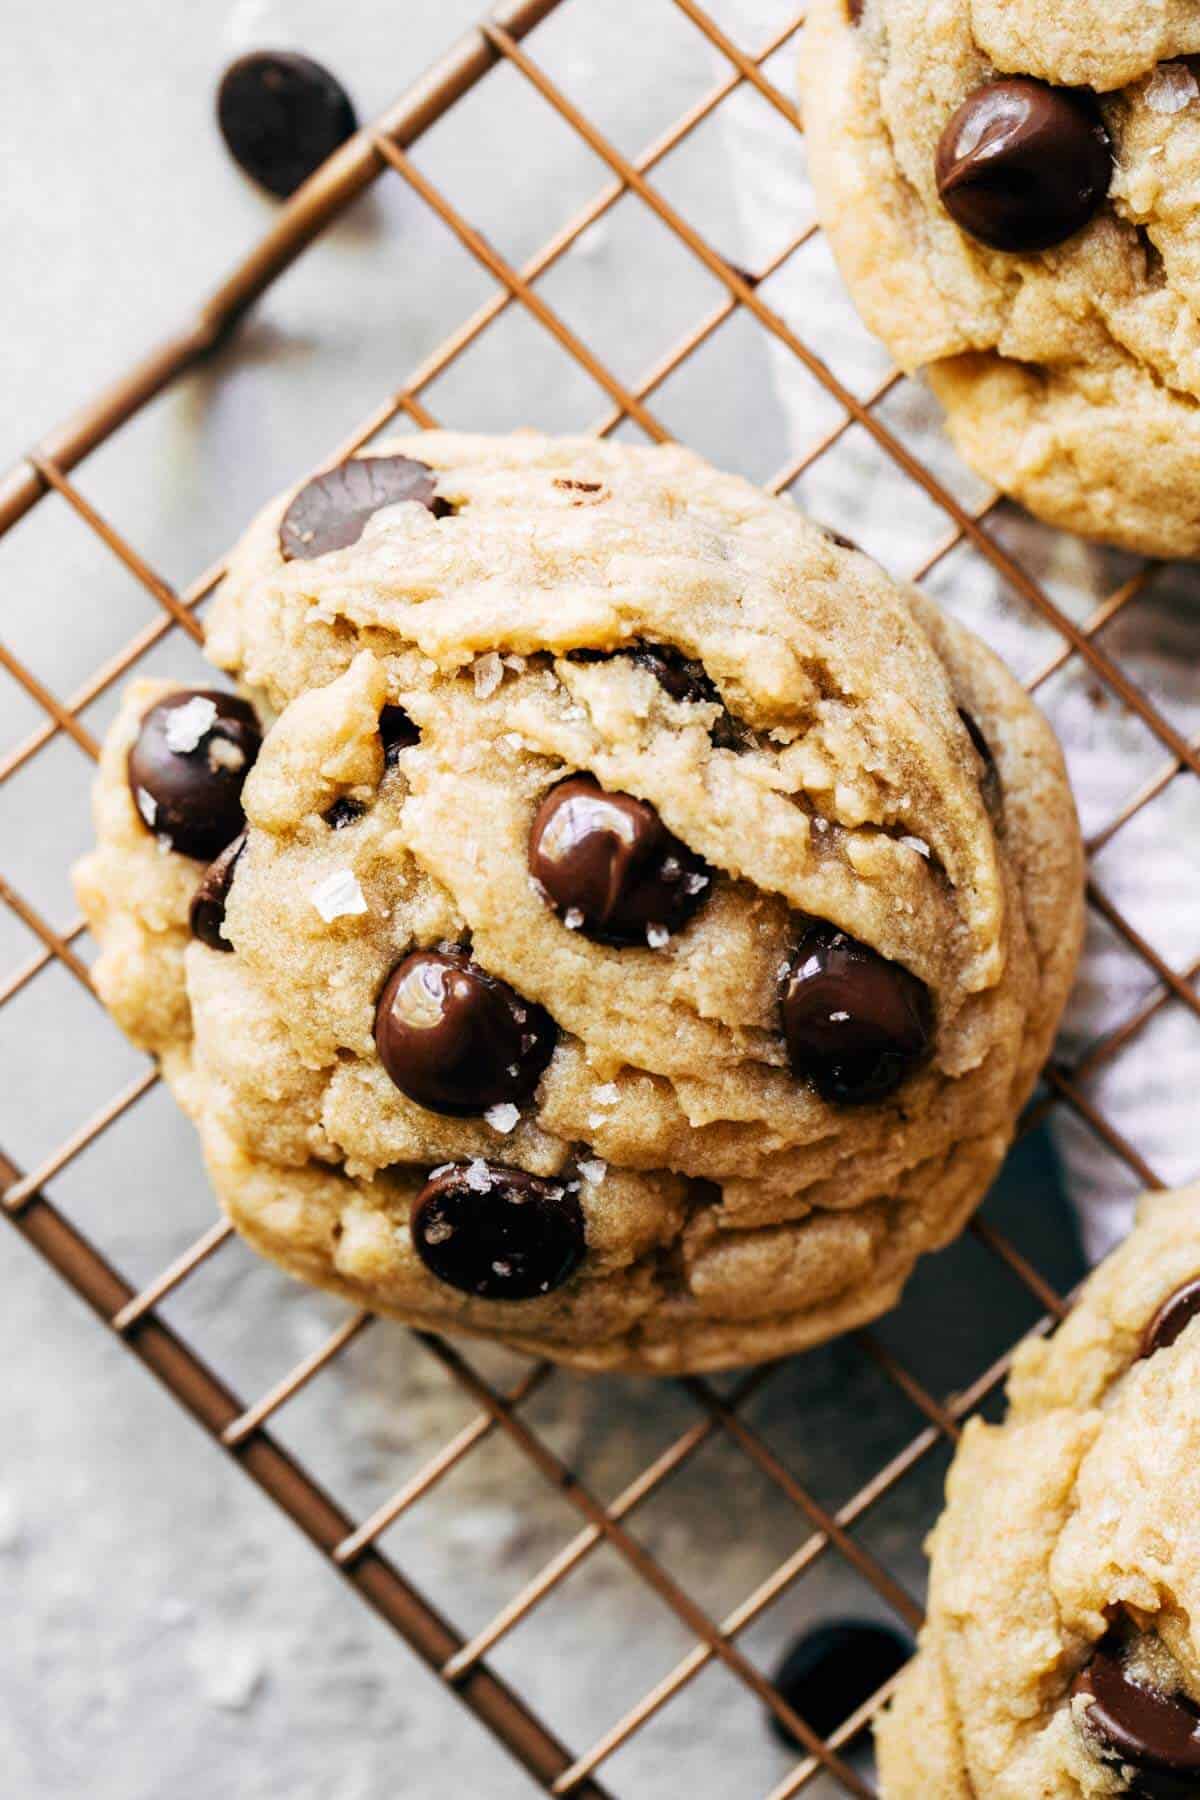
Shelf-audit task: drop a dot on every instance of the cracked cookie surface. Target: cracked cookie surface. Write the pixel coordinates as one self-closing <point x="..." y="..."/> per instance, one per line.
<point x="1061" y="1652"/>
<point x="1070" y="368"/>
<point x="650" y="918"/>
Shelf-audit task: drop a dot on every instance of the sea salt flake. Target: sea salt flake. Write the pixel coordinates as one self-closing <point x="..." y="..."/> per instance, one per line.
<point x="514" y="740"/>
<point x="657" y="936"/>
<point x="189" y="724"/>
<point x="339" y="896"/>
<point x="608" y="1095"/>
<point x="1171" y="88"/>
<point x="488" y="673"/>
<point x="594" y="1169"/>
<point x="573" y="918"/>
<point x="147" y="805"/>
<point x="695" y="884"/>
<point x="503" y="1117"/>
<point x="917" y="844"/>
<point x="839" y="1018"/>
<point x="478" y="1179"/>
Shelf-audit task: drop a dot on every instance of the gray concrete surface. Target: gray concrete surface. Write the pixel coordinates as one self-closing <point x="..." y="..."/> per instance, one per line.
<point x="166" y="1634"/>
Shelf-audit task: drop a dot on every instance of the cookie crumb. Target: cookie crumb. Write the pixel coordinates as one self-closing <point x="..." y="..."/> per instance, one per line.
<point x="593" y="1170"/>
<point x="147" y="805"/>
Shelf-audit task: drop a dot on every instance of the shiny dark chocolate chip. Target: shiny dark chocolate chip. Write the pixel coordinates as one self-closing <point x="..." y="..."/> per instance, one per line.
<point x="1022" y="165"/>
<point x="207" y="913"/>
<point x="1157" y="1734"/>
<point x="829" y="1672"/>
<point x="331" y="510"/>
<point x="496" y="1231"/>
<point x="281" y="115"/>
<point x="343" y="812"/>
<point x="989" y="785"/>
<point x="192" y="753"/>
<point x="609" y="866"/>
<point x="457" y="1040"/>
<point x="856" y="1024"/>
<point x="682" y="677"/>
<point x="1172" y="1318"/>
<point x="398" y="733"/>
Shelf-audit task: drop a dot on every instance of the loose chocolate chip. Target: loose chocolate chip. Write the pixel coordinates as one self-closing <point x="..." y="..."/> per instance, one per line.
<point x="989" y="785"/>
<point x="343" y="812"/>
<point x="331" y="510"/>
<point x="187" y="765"/>
<point x="1022" y="165"/>
<point x="682" y="677"/>
<point x="1172" y="1318"/>
<point x="830" y="1671"/>
<point x="609" y="866"/>
<point x="1157" y="1734"/>
<point x="457" y="1040"/>
<point x="281" y="115"/>
<point x="398" y="733"/>
<point x="856" y="1024"/>
<point x="207" y="914"/>
<point x="496" y="1231"/>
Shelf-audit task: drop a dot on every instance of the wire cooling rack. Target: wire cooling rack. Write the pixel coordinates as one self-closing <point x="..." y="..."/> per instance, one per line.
<point x="914" y="1425"/>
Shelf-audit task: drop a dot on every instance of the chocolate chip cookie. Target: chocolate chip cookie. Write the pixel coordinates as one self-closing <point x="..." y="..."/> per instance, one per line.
<point x="637" y="928"/>
<point x="1008" y="187"/>
<point x="1061" y="1654"/>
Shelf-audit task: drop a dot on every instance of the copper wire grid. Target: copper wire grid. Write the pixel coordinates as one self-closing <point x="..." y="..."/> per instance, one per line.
<point x="242" y="1428"/>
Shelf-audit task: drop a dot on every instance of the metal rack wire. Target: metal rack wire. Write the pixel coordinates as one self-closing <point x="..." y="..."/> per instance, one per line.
<point x="134" y="1314"/>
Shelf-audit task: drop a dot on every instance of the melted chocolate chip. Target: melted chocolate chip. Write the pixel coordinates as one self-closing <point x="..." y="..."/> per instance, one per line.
<point x="281" y="115"/>
<point x="331" y="510"/>
<point x="496" y="1231"/>
<point x="398" y="733"/>
<point x="1156" y="1734"/>
<point x="1022" y="165"/>
<point x="457" y="1040"/>
<point x="832" y="1670"/>
<point x="343" y="812"/>
<point x="1172" y="1318"/>
<point x="186" y="773"/>
<point x="989" y="785"/>
<point x="609" y="866"/>
<point x="207" y="913"/>
<point x="682" y="677"/>
<point x="856" y="1024"/>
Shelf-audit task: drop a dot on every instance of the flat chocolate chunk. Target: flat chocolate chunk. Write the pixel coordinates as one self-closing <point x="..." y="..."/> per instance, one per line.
<point x="1172" y="1318"/>
<point x="458" y="1040"/>
<point x="828" y="1672"/>
<point x="187" y="765"/>
<point x="989" y="785"/>
<point x="343" y="812"/>
<point x="609" y="866"/>
<point x="398" y="733"/>
<point x="207" y="913"/>
<point x="330" y="511"/>
<point x="497" y="1232"/>
<point x="1022" y="165"/>
<point x="1157" y="1734"/>
<point x="281" y="115"/>
<point x="856" y="1024"/>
